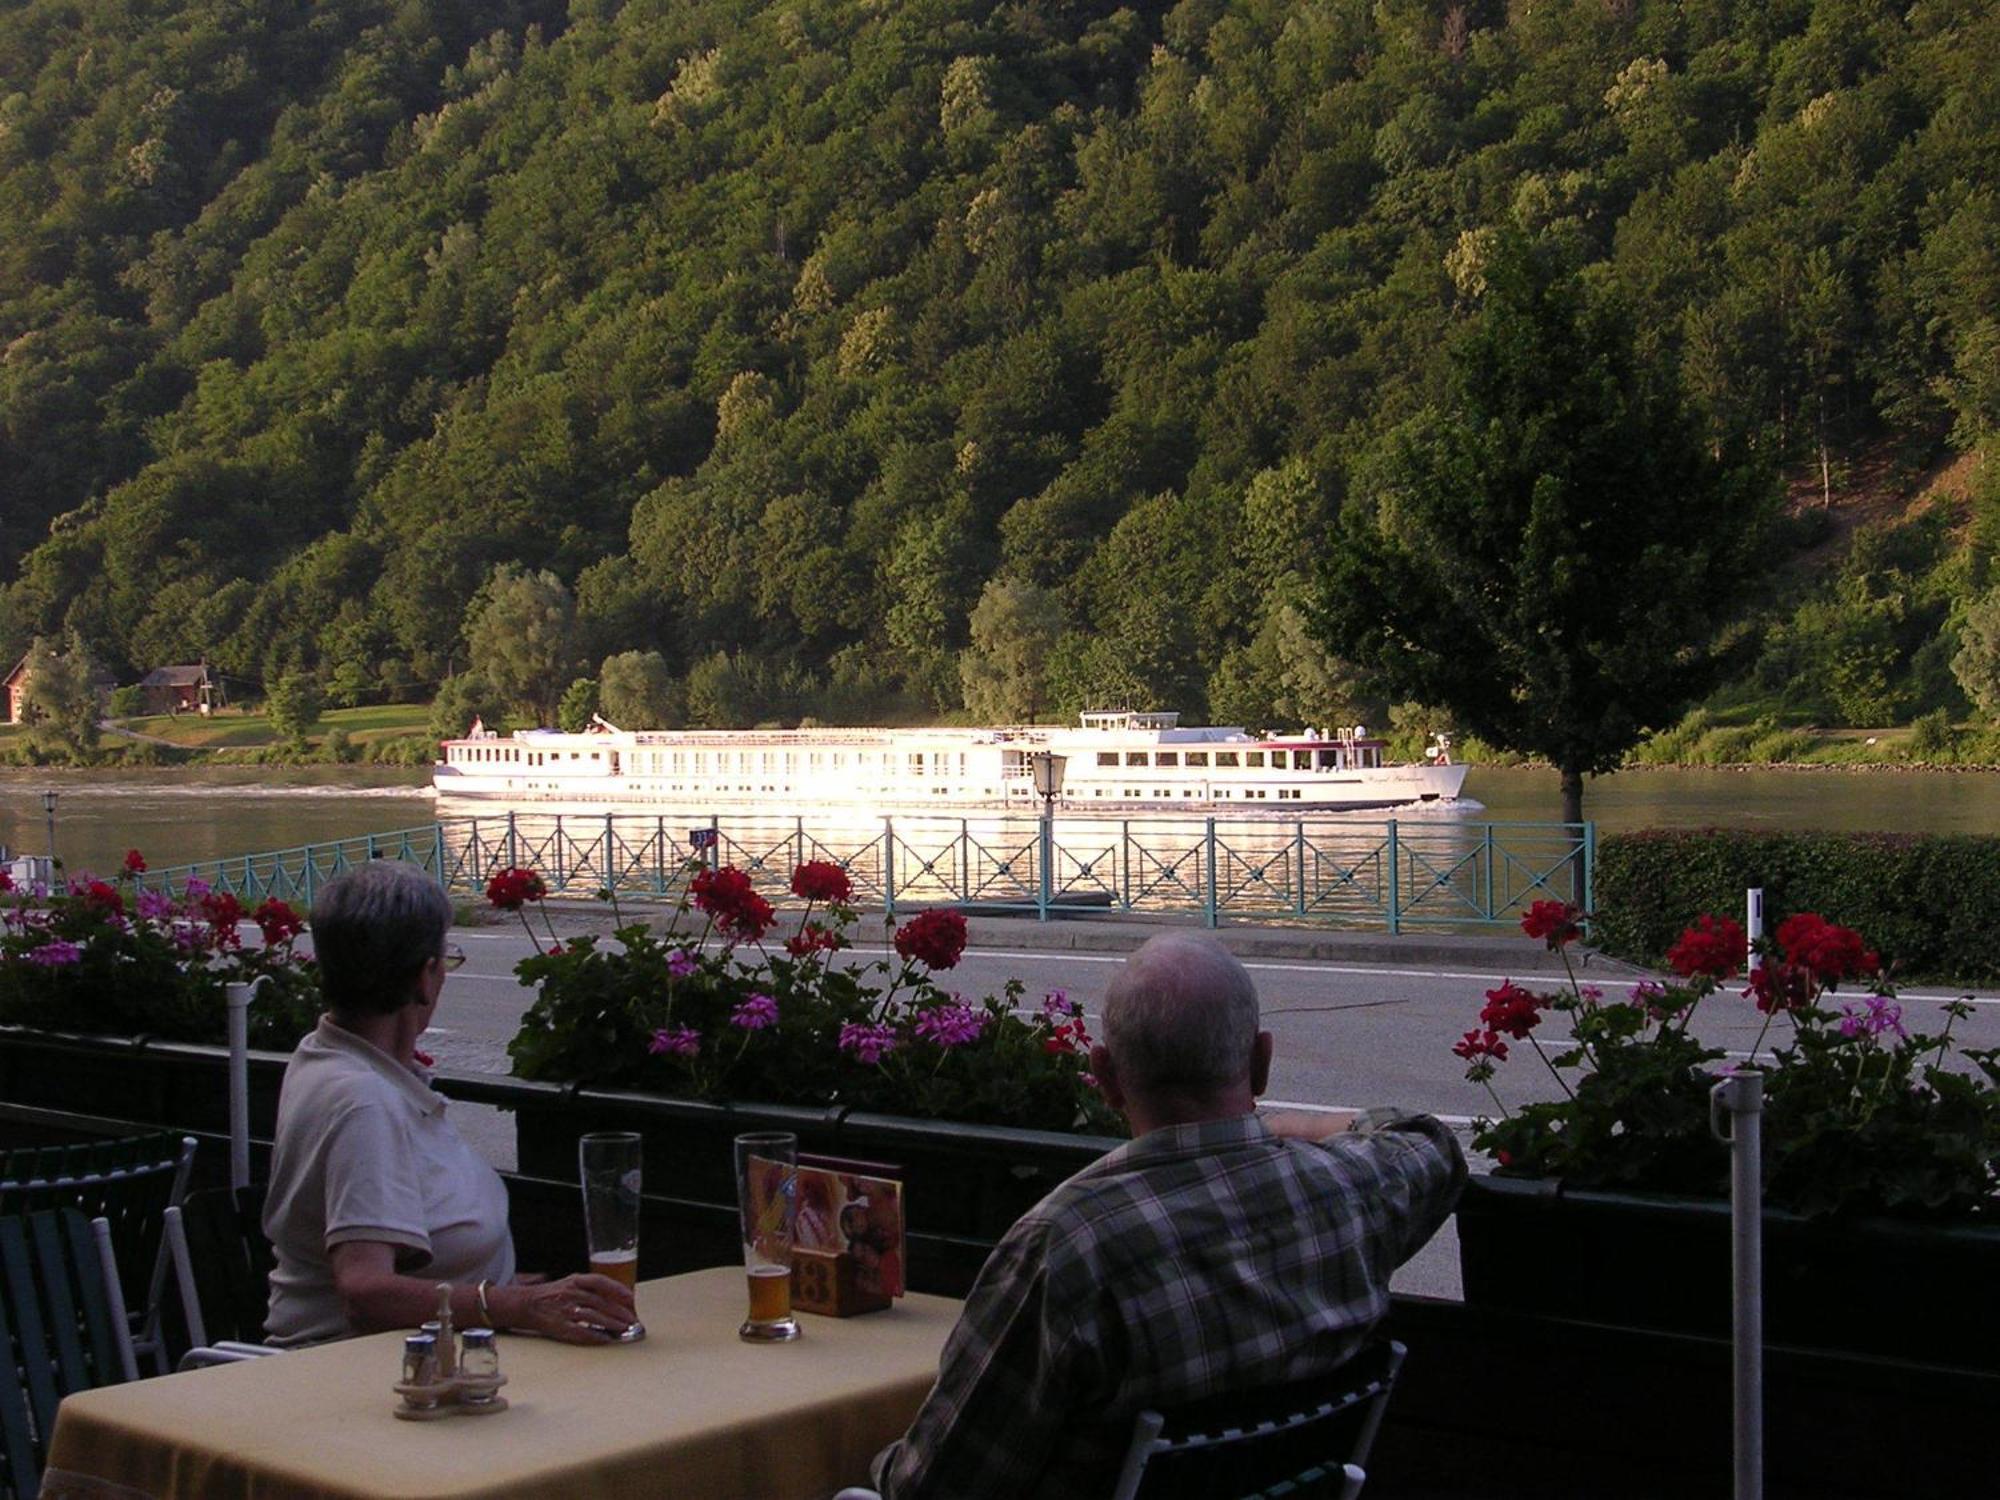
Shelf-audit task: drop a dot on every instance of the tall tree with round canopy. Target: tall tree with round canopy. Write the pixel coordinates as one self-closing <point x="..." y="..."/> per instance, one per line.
<point x="1548" y="549"/>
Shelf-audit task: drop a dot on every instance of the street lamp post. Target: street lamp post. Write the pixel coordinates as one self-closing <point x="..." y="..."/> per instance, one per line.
<point x="1048" y="767"/>
<point x="49" y="811"/>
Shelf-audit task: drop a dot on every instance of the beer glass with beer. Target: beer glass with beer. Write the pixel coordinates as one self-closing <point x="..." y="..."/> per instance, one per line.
<point x="610" y="1163"/>
<point x="767" y="1174"/>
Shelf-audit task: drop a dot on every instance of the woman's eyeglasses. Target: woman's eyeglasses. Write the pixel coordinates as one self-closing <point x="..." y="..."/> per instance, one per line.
<point x="452" y="958"/>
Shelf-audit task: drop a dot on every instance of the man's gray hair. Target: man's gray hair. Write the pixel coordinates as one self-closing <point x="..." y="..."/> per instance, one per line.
<point x="1181" y="1016"/>
<point x="373" y="930"/>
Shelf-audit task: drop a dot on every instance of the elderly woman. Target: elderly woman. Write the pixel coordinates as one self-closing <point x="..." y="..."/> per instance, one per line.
<point x="374" y="1197"/>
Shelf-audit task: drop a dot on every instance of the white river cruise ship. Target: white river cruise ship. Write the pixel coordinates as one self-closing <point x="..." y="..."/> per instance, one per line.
<point x="1115" y="761"/>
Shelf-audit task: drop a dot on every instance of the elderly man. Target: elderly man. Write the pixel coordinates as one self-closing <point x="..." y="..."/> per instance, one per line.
<point x="1217" y="1251"/>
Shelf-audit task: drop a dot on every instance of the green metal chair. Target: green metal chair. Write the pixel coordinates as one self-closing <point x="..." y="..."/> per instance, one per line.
<point x="1306" y="1441"/>
<point x="131" y="1183"/>
<point x="62" y="1329"/>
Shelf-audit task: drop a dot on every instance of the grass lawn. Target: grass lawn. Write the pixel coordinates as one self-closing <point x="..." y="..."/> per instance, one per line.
<point x="232" y="728"/>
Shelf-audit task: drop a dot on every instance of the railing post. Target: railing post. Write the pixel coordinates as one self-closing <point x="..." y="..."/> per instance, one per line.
<point x="1395" y="882"/>
<point x="659" y="854"/>
<point x="437" y="849"/>
<point x="889" y="868"/>
<point x="1125" y="861"/>
<point x="1492" y="907"/>
<point x="798" y="841"/>
<point x="514" y="840"/>
<point x="1589" y="867"/>
<point x="1299" y="872"/>
<point x="237" y="996"/>
<point x="1740" y="1097"/>
<point x="964" y="859"/>
<point x="1208" y="911"/>
<point x="561" y="877"/>
<point x="1048" y="851"/>
<point x="715" y="841"/>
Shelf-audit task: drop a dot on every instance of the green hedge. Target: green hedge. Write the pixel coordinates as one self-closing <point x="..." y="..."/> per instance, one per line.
<point x="1928" y="903"/>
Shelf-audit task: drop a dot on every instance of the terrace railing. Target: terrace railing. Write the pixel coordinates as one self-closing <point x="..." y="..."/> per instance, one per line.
<point x="1384" y="874"/>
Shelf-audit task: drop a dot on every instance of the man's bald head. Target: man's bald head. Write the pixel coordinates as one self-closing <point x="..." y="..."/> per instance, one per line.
<point x="1181" y="1018"/>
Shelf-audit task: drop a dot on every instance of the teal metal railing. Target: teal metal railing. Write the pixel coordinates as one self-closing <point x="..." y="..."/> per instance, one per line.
<point x="1392" y="874"/>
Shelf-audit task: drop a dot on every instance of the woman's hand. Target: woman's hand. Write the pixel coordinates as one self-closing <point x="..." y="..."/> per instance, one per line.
<point x="585" y="1309"/>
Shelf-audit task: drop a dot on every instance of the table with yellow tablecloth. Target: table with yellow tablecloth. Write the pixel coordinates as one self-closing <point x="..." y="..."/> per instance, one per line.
<point x="691" y="1411"/>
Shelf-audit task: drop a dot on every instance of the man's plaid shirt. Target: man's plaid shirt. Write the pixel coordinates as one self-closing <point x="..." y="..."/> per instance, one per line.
<point x="1195" y="1260"/>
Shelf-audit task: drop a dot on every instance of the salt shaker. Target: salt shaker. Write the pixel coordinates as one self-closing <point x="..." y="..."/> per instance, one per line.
<point x="478" y="1362"/>
<point x="420" y="1368"/>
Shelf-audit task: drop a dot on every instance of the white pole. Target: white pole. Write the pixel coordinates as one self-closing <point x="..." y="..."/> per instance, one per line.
<point x="1753" y="917"/>
<point x="1741" y="1097"/>
<point x="239" y="1081"/>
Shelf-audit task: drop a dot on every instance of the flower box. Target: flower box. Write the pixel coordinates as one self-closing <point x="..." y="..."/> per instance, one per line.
<point x="1882" y="1287"/>
<point x="134" y="1080"/>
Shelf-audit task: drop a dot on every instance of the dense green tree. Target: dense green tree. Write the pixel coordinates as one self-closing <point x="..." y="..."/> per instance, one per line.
<point x="1977" y="662"/>
<point x="60" y="697"/>
<point x="637" y="690"/>
<point x="522" y="634"/>
<point x="578" y="706"/>
<point x="1014" y="629"/>
<point x="1543" y="550"/>
<point x="462" y="700"/>
<point x="293" y="705"/>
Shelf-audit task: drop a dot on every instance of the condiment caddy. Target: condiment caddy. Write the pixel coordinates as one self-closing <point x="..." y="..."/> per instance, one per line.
<point x="441" y="1378"/>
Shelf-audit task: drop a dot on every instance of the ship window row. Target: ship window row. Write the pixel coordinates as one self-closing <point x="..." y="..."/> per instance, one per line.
<point x="702" y="763"/>
<point x="1280" y="760"/>
<point x="489" y="755"/>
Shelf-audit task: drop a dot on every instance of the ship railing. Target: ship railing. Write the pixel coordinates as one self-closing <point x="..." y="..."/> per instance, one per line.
<point x="1393" y="874"/>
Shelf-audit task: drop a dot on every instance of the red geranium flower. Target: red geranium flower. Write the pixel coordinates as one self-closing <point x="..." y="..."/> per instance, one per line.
<point x="1832" y="952"/>
<point x="6" y="881"/>
<point x="1713" y="947"/>
<point x="223" y="911"/>
<point x="822" y="880"/>
<point x="814" y="938"/>
<point x="277" y="921"/>
<point x="105" y="898"/>
<point x="935" y="939"/>
<point x="1477" y="1044"/>
<point x="514" y="887"/>
<point x="1780" y="986"/>
<point x="135" y="862"/>
<point x="728" y="897"/>
<point x="1556" y="921"/>
<point x="1511" y="1010"/>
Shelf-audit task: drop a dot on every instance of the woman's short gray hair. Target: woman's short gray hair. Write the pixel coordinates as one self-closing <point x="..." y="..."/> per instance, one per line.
<point x="373" y="929"/>
<point x="1181" y="1016"/>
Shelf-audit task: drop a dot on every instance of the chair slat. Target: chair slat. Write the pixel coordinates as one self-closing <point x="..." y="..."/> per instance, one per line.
<point x="59" y="1300"/>
<point x="19" y="1472"/>
<point x="38" y="1373"/>
<point x="93" y="1299"/>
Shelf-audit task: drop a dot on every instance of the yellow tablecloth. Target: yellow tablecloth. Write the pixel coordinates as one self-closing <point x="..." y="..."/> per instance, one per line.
<point x="692" y="1411"/>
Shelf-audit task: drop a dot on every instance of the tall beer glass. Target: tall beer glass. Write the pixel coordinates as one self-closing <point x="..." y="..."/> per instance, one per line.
<point x="767" y="1174"/>
<point x="610" y="1164"/>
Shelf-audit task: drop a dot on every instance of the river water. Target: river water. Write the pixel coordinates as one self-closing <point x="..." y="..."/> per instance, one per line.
<point x="180" y="815"/>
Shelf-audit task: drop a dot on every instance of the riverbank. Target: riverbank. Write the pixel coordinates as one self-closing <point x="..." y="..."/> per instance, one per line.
<point x="393" y="734"/>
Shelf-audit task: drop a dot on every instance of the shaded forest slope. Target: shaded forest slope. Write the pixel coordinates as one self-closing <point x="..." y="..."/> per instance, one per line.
<point x="780" y="332"/>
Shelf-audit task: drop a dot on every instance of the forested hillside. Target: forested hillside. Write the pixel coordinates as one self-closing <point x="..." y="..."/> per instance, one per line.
<point x="863" y="357"/>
